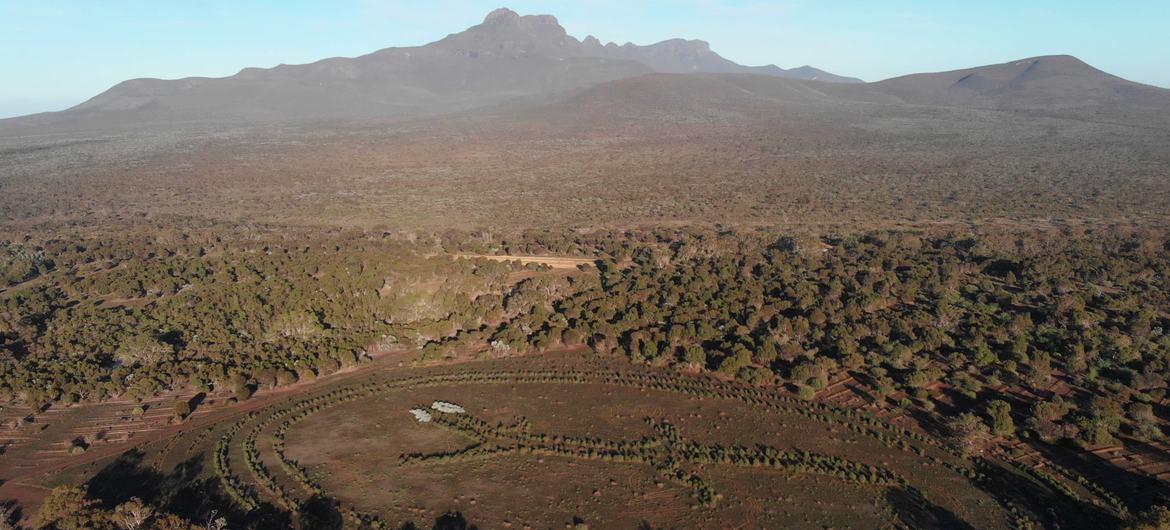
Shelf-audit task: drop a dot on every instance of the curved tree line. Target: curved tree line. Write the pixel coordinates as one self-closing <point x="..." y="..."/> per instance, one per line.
<point x="550" y="445"/>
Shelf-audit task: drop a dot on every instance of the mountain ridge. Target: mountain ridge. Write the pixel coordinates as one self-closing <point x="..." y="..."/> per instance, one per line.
<point x="513" y="58"/>
<point x="505" y="57"/>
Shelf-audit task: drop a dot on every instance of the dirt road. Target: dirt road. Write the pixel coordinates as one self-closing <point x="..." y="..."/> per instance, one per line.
<point x="556" y="262"/>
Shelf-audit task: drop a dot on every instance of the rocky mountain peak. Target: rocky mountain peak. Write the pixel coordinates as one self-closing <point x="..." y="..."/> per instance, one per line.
<point x="502" y="14"/>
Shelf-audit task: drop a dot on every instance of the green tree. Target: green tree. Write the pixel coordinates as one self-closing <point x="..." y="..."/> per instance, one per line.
<point x="143" y="349"/>
<point x="967" y="433"/>
<point x="1000" y="413"/>
<point x="181" y="410"/>
<point x="731" y="364"/>
<point x="1155" y="518"/>
<point x="134" y="515"/>
<point x="241" y="386"/>
<point x="696" y="355"/>
<point x="64" y="508"/>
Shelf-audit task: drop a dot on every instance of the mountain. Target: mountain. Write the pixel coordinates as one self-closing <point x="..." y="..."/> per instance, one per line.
<point x="678" y="56"/>
<point x="1050" y="83"/>
<point x="505" y="31"/>
<point x="506" y="57"/>
<point x="511" y="61"/>
<point x="1059" y="86"/>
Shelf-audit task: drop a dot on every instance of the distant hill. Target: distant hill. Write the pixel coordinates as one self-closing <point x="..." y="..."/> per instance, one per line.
<point x="1059" y="86"/>
<point x="506" y="57"/>
<point x="1050" y="83"/>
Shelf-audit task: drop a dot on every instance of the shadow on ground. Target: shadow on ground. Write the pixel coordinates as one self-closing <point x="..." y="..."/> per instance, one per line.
<point x="187" y="491"/>
<point x="914" y="511"/>
<point x="191" y="492"/>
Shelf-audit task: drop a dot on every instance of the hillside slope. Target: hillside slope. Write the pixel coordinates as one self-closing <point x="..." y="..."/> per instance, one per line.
<point x="1061" y="87"/>
<point x="1058" y="83"/>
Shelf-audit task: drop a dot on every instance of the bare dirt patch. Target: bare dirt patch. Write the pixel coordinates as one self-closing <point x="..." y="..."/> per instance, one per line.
<point x="554" y="262"/>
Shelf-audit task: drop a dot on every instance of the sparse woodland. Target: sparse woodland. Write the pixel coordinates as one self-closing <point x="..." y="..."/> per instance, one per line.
<point x="1060" y="336"/>
<point x="997" y="340"/>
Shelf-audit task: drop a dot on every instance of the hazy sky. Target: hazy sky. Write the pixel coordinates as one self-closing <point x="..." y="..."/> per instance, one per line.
<point x="59" y="53"/>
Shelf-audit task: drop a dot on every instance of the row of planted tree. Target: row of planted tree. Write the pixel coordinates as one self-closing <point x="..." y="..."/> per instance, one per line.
<point x="583" y="447"/>
<point x="654" y="450"/>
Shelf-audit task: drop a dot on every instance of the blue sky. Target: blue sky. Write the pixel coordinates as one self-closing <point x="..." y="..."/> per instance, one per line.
<point x="59" y="53"/>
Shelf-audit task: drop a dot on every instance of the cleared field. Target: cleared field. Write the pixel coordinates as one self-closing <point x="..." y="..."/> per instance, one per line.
<point x="554" y="262"/>
<point x="353" y="451"/>
<point x="553" y="440"/>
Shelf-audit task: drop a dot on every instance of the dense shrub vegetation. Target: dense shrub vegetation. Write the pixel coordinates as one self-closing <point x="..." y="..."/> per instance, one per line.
<point x="67" y="508"/>
<point x="920" y="317"/>
<point x="1057" y="335"/>
<point x="141" y="317"/>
